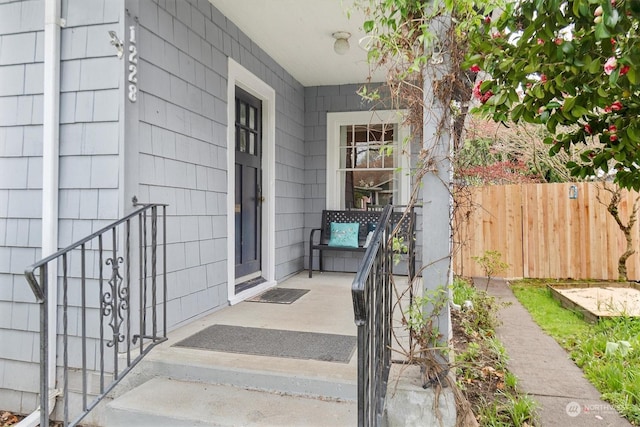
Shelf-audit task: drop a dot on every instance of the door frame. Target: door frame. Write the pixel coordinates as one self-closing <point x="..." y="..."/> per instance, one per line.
<point x="243" y="78"/>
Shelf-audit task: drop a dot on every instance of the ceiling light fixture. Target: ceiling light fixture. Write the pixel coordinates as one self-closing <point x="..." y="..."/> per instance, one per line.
<point x="341" y="45"/>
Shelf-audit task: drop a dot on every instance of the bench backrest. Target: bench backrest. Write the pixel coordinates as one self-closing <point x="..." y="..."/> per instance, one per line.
<point x="364" y="218"/>
<point x="367" y="220"/>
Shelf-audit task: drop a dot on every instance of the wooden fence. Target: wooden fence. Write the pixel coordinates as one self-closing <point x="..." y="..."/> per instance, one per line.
<point x="543" y="233"/>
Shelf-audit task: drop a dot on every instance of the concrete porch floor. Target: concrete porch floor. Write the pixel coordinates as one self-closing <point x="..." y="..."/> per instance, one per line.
<point x="172" y="381"/>
<point x="326" y="308"/>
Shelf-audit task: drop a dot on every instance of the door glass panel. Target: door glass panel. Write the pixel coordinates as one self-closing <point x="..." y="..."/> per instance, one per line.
<point x="243" y="141"/>
<point x="243" y="113"/>
<point x="252" y="118"/>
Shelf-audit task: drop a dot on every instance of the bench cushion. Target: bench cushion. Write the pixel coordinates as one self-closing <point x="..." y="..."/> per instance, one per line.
<point x="344" y="235"/>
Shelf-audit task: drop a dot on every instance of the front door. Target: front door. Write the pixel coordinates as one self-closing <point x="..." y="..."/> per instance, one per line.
<point x="248" y="191"/>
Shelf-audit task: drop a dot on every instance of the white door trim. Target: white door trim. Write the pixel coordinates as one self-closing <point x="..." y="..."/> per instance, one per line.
<point x="243" y="78"/>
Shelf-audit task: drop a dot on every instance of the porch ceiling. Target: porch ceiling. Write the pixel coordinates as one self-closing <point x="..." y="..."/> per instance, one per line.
<point x="298" y="35"/>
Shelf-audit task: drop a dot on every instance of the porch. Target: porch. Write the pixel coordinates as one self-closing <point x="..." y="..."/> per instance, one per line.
<point x="177" y="385"/>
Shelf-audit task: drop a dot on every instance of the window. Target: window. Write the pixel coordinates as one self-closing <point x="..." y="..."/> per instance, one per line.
<point x="366" y="163"/>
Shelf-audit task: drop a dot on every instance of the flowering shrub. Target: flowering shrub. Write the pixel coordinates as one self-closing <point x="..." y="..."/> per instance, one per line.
<point x="573" y="66"/>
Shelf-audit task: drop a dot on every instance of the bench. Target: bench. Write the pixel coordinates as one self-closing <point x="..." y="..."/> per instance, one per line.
<point x="367" y="221"/>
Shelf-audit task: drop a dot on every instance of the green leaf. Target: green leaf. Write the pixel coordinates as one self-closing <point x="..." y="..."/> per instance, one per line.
<point x="595" y="67"/>
<point x="517" y="111"/>
<point x="633" y="134"/>
<point x="579" y="111"/>
<point x="568" y="104"/>
<point x="613" y="78"/>
<point x="632" y="76"/>
<point x="601" y="31"/>
<point x="368" y="26"/>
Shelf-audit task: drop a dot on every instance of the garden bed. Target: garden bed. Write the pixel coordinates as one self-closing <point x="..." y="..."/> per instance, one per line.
<point x="599" y="300"/>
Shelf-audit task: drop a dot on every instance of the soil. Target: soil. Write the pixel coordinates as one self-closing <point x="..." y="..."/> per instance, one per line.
<point x="481" y="385"/>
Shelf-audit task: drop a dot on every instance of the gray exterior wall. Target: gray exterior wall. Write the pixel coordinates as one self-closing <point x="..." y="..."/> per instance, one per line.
<point x="182" y="137"/>
<point x="178" y="150"/>
<point x="89" y="162"/>
<point x="319" y="101"/>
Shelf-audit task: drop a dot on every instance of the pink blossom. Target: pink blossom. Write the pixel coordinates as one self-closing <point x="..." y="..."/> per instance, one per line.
<point x="616" y="106"/>
<point x="613" y="137"/>
<point x="487" y="20"/>
<point x="587" y="129"/>
<point x="543" y="78"/>
<point x="540" y="42"/>
<point x="610" y="65"/>
<point x="613" y="129"/>
<point x="496" y="35"/>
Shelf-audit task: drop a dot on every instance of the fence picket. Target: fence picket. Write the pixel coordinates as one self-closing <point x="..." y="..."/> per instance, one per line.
<point x="543" y="233"/>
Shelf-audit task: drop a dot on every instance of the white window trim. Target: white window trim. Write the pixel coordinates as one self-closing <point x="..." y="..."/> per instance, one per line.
<point x="243" y="78"/>
<point x="335" y="121"/>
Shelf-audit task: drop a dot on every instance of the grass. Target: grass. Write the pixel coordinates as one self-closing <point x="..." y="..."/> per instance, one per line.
<point x="614" y="372"/>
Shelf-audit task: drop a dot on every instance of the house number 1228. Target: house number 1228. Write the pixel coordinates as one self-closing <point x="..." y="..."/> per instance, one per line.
<point x="133" y="65"/>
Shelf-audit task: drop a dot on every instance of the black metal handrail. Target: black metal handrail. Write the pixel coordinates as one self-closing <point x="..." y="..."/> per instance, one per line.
<point x="109" y="247"/>
<point x="372" y="306"/>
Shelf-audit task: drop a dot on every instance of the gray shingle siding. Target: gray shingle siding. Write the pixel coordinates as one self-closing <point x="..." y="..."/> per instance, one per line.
<point x="88" y="164"/>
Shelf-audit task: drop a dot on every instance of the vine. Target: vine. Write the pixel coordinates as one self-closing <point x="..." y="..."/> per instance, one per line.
<point x="421" y="44"/>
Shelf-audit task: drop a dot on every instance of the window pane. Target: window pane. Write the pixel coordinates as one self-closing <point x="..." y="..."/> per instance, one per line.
<point x="367" y="165"/>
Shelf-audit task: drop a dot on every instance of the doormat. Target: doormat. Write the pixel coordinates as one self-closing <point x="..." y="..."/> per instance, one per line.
<point x="279" y="295"/>
<point x="273" y="343"/>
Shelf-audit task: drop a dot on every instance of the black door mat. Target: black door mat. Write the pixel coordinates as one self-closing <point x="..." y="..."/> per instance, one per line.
<point x="279" y="295"/>
<point x="273" y="343"/>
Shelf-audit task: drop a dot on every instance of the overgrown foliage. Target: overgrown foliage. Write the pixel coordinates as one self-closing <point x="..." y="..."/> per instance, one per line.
<point x="481" y="362"/>
<point x="571" y="65"/>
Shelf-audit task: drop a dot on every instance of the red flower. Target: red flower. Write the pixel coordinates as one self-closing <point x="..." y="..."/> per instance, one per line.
<point x="624" y="70"/>
<point x="616" y="106"/>
<point x="543" y="78"/>
<point x="482" y="97"/>
<point x="487" y="20"/>
<point x="613" y="129"/>
<point x="613" y="137"/>
<point x="587" y="129"/>
<point x="496" y="35"/>
<point x="613" y="41"/>
<point x="475" y="68"/>
<point x="540" y="42"/>
<point x="559" y="41"/>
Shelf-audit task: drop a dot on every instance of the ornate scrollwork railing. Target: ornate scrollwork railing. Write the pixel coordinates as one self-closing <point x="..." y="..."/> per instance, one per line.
<point x="97" y="285"/>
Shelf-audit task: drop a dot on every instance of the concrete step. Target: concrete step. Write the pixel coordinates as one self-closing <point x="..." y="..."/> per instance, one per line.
<point x="262" y="376"/>
<point x="167" y="402"/>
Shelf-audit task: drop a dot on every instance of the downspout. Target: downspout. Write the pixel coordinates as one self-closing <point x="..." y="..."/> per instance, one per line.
<point x="50" y="166"/>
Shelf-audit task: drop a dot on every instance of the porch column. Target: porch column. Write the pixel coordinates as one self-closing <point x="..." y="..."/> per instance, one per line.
<point x="436" y="189"/>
